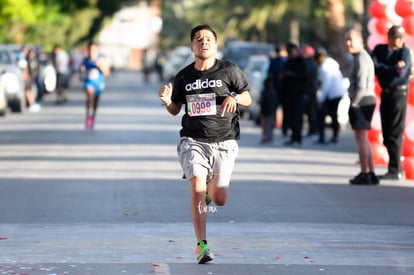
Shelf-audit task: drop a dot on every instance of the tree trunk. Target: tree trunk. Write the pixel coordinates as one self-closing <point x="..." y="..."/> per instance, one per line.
<point x="335" y="20"/>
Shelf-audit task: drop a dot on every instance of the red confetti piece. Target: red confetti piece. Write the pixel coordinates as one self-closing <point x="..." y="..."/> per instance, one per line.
<point x="155" y="264"/>
<point x="3" y="238"/>
<point x="278" y="257"/>
<point x="306" y="257"/>
<point x="178" y="257"/>
<point x="151" y="271"/>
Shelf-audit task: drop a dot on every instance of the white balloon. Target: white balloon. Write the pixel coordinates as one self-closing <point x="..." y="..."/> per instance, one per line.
<point x="376" y="39"/>
<point x="372" y="25"/>
<point x="387" y="2"/>
<point x="409" y="40"/>
<point x="392" y="16"/>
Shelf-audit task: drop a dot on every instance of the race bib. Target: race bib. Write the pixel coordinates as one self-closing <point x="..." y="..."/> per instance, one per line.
<point x="93" y="74"/>
<point x="201" y="104"/>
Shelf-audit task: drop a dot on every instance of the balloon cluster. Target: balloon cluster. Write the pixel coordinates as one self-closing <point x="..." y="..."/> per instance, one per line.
<point x="384" y="14"/>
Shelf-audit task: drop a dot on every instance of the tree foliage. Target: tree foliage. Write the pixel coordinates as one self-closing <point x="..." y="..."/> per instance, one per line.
<point x="264" y="20"/>
<point x="49" y="22"/>
<point x="314" y="22"/>
<point x="68" y="22"/>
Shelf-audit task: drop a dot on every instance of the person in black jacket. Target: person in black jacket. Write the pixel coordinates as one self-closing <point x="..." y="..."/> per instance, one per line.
<point x="268" y="105"/>
<point x="392" y="67"/>
<point x="292" y="92"/>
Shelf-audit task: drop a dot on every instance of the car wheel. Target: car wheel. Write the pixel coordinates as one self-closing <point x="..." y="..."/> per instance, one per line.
<point x="17" y="105"/>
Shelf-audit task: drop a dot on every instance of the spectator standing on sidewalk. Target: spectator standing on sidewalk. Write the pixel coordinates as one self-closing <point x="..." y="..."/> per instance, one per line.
<point x="293" y="90"/>
<point x="362" y="96"/>
<point x="61" y="63"/>
<point x="310" y="101"/>
<point x="93" y="70"/>
<point x="275" y="70"/>
<point x="331" y="92"/>
<point x="392" y="67"/>
<point x="24" y="65"/>
<point x="211" y="91"/>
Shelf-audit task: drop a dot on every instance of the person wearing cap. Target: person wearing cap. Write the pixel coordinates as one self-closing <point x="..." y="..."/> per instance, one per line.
<point x="392" y="67"/>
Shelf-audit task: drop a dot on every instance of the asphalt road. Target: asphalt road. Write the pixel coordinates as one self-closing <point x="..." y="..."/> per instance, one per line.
<point x="112" y="201"/>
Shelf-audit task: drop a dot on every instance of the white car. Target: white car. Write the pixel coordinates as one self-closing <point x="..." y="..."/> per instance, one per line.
<point x="3" y="100"/>
<point x="12" y="81"/>
<point x="47" y="75"/>
<point x="256" y="70"/>
<point x="175" y="61"/>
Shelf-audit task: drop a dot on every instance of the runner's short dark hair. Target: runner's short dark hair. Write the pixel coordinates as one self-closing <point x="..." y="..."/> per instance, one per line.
<point x="199" y="28"/>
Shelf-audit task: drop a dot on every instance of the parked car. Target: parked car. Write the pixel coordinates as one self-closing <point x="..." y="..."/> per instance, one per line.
<point x="240" y="51"/>
<point x="47" y="75"/>
<point x="3" y="100"/>
<point x="256" y="70"/>
<point x="11" y="79"/>
<point x="175" y="61"/>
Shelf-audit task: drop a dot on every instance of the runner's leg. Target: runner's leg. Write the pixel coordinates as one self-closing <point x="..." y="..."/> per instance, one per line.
<point x="198" y="206"/>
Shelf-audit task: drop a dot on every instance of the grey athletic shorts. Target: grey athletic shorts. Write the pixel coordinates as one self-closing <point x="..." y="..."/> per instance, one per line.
<point x="208" y="159"/>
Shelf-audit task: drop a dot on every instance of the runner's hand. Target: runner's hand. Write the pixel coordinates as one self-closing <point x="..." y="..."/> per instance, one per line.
<point x="165" y="94"/>
<point x="229" y="105"/>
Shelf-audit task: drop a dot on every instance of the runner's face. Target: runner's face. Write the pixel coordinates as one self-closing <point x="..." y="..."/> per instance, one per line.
<point x="204" y="45"/>
<point x="93" y="51"/>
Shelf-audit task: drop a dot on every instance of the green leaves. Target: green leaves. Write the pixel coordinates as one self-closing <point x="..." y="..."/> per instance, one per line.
<point x="50" y="22"/>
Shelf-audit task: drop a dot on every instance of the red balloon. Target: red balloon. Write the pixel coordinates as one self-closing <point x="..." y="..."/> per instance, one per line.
<point x="404" y="7"/>
<point x="375" y="135"/>
<point x="409" y="115"/>
<point x="409" y="129"/>
<point x="376" y="119"/>
<point x="408" y="167"/>
<point x="377" y="9"/>
<point x="410" y="97"/>
<point x="379" y="153"/>
<point x="407" y="148"/>
<point x="383" y="25"/>
<point x="408" y="24"/>
<point x="378" y="87"/>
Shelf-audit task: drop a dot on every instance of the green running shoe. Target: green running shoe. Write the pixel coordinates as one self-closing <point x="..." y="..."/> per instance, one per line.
<point x="203" y="253"/>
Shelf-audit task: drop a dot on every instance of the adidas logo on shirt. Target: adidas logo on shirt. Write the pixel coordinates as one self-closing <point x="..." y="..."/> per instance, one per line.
<point x="199" y="84"/>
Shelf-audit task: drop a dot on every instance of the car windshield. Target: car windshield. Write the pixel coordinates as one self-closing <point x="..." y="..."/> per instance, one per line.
<point x="240" y="54"/>
<point x="254" y="66"/>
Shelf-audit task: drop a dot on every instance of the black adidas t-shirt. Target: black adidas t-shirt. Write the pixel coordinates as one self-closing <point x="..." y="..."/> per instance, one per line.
<point x="202" y="93"/>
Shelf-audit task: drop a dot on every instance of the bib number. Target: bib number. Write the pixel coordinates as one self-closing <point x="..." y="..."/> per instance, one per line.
<point x="201" y="104"/>
<point x="93" y="74"/>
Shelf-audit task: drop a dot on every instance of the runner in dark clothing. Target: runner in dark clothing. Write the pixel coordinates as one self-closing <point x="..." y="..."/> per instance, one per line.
<point x="211" y="91"/>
